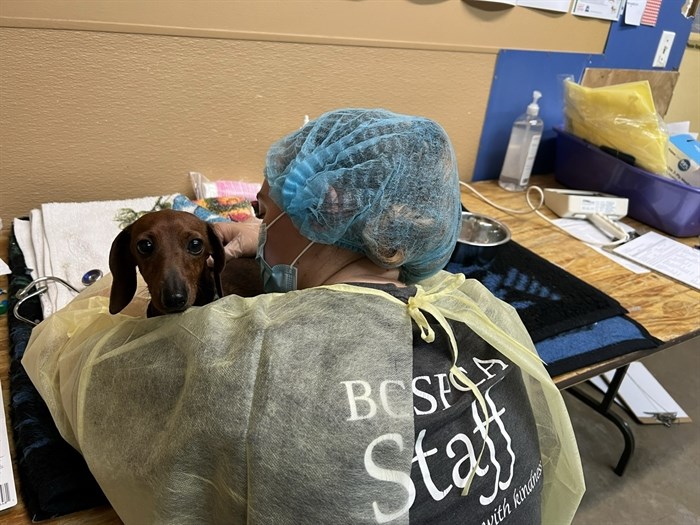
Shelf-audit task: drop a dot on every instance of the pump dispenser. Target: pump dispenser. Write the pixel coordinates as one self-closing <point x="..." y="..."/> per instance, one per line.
<point x="522" y="147"/>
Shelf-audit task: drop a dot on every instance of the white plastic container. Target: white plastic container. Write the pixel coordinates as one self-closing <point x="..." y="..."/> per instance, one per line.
<point x="522" y="148"/>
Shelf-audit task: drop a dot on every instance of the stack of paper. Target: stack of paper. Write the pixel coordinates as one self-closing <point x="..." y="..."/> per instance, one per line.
<point x="8" y="494"/>
<point x="664" y="255"/>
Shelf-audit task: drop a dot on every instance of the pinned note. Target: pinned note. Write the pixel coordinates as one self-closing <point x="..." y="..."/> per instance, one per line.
<point x="604" y="9"/>
<point x="634" y="12"/>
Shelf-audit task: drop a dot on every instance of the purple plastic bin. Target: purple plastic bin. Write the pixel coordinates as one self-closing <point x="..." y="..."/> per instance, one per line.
<point x="662" y="203"/>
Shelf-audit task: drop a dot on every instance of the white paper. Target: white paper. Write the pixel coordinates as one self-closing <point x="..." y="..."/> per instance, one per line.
<point x="509" y="2"/>
<point x="678" y="128"/>
<point x="666" y="256"/>
<point x="4" y="268"/>
<point x="605" y="9"/>
<point x="585" y="231"/>
<point x="8" y="494"/>
<point x="634" y="12"/>
<point x="561" y="6"/>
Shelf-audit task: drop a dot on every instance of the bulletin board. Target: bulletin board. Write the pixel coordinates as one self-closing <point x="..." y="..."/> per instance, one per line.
<point x="518" y="73"/>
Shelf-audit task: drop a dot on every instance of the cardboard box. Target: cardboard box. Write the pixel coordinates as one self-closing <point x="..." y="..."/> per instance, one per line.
<point x="683" y="159"/>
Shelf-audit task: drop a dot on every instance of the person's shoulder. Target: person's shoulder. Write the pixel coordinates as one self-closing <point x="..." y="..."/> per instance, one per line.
<point x="399" y="292"/>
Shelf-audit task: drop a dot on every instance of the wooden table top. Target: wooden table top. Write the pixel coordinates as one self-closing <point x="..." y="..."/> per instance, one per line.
<point x="667" y="309"/>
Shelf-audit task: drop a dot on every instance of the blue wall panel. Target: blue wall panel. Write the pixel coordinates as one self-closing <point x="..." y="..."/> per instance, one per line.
<point x="518" y="73"/>
<point x="631" y="47"/>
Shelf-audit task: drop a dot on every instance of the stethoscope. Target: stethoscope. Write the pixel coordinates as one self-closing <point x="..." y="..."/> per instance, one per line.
<point x="39" y="286"/>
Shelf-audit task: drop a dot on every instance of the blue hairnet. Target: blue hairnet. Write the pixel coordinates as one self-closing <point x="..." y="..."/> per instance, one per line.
<point x="374" y="182"/>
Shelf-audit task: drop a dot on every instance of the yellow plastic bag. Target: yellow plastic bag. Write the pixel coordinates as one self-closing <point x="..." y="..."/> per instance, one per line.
<point x="622" y="117"/>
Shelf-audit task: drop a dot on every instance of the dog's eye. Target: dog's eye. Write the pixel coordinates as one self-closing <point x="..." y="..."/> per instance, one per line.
<point x="195" y="246"/>
<point x="144" y="247"/>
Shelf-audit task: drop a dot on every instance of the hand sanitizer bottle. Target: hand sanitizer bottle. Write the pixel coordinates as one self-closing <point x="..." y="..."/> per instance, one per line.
<point x="522" y="148"/>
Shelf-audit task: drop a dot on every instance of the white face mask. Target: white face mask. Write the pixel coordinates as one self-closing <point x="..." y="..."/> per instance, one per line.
<point x="281" y="277"/>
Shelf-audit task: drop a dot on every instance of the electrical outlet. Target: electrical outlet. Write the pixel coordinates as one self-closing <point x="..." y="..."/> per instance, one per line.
<point x="664" y="49"/>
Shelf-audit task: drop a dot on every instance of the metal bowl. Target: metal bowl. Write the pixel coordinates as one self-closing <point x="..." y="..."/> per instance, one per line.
<point x="480" y="238"/>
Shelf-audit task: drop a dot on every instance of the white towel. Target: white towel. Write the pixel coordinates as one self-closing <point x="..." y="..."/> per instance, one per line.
<point x="29" y="234"/>
<point x="71" y="238"/>
<point x="23" y="236"/>
<point x="43" y="265"/>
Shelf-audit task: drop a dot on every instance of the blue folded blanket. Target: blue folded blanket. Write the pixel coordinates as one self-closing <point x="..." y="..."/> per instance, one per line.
<point x="594" y="343"/>
<point x="572" y="323"/>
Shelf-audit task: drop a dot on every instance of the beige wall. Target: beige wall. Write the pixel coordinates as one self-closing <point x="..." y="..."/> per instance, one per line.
<point x="685" y="103"/>
<point x="96" y="115"/>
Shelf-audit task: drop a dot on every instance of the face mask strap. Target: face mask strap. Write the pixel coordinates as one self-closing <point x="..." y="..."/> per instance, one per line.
<point x="262" y="240"/>
<point x="302" y="253"/>
<point x="273" y="221"/>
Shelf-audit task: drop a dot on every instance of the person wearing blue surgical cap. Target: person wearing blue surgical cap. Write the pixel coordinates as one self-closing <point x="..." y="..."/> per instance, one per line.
<point x="371" y="198"/>
<point x="367" y="386"/>
<point x="365" y="190"/>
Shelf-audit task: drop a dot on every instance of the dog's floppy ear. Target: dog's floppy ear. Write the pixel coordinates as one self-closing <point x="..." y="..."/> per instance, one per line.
<point x="123" y="267"/>
<point x="219" y="256"/>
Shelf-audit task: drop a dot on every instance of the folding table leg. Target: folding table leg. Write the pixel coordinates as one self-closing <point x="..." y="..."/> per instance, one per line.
<point x="603" y="408"/>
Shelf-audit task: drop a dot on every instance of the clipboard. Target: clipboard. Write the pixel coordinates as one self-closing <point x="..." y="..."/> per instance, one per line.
<point x="665" y="256"/>
<point x="644" y="397"/>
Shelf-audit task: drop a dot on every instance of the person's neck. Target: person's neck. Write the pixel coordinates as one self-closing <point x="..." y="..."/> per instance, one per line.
<point x="362" y="270"/>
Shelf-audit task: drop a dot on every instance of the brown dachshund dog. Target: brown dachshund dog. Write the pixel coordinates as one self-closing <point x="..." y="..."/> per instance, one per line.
<point x="170" y="249"/>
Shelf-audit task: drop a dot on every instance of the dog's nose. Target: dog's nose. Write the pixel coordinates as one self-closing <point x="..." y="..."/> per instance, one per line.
<point x="175" y="300"/>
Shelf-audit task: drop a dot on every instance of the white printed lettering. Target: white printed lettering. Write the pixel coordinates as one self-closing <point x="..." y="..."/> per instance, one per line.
<point x="385" y="398"/>
<point x="481" y="428"/>
<point x="458" y="384"/>
<point x="461" y="481"/>
<point x="509" y="442"/>
<point x="465" y="448"/>
<point x="392" y="476"/>
<point x="420" y="456"/>
<point x="521" y="493"/>
<point x="424" y="395"/>
<point x="491" y="363"/>
<point x="352" y="400"/>
<point x="499" y="514"/>
<point x="444" y="389"/>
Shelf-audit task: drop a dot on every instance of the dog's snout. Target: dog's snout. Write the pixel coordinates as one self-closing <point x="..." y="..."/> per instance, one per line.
<point x="175" y="293"/>
<point x="176" y="300"/>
